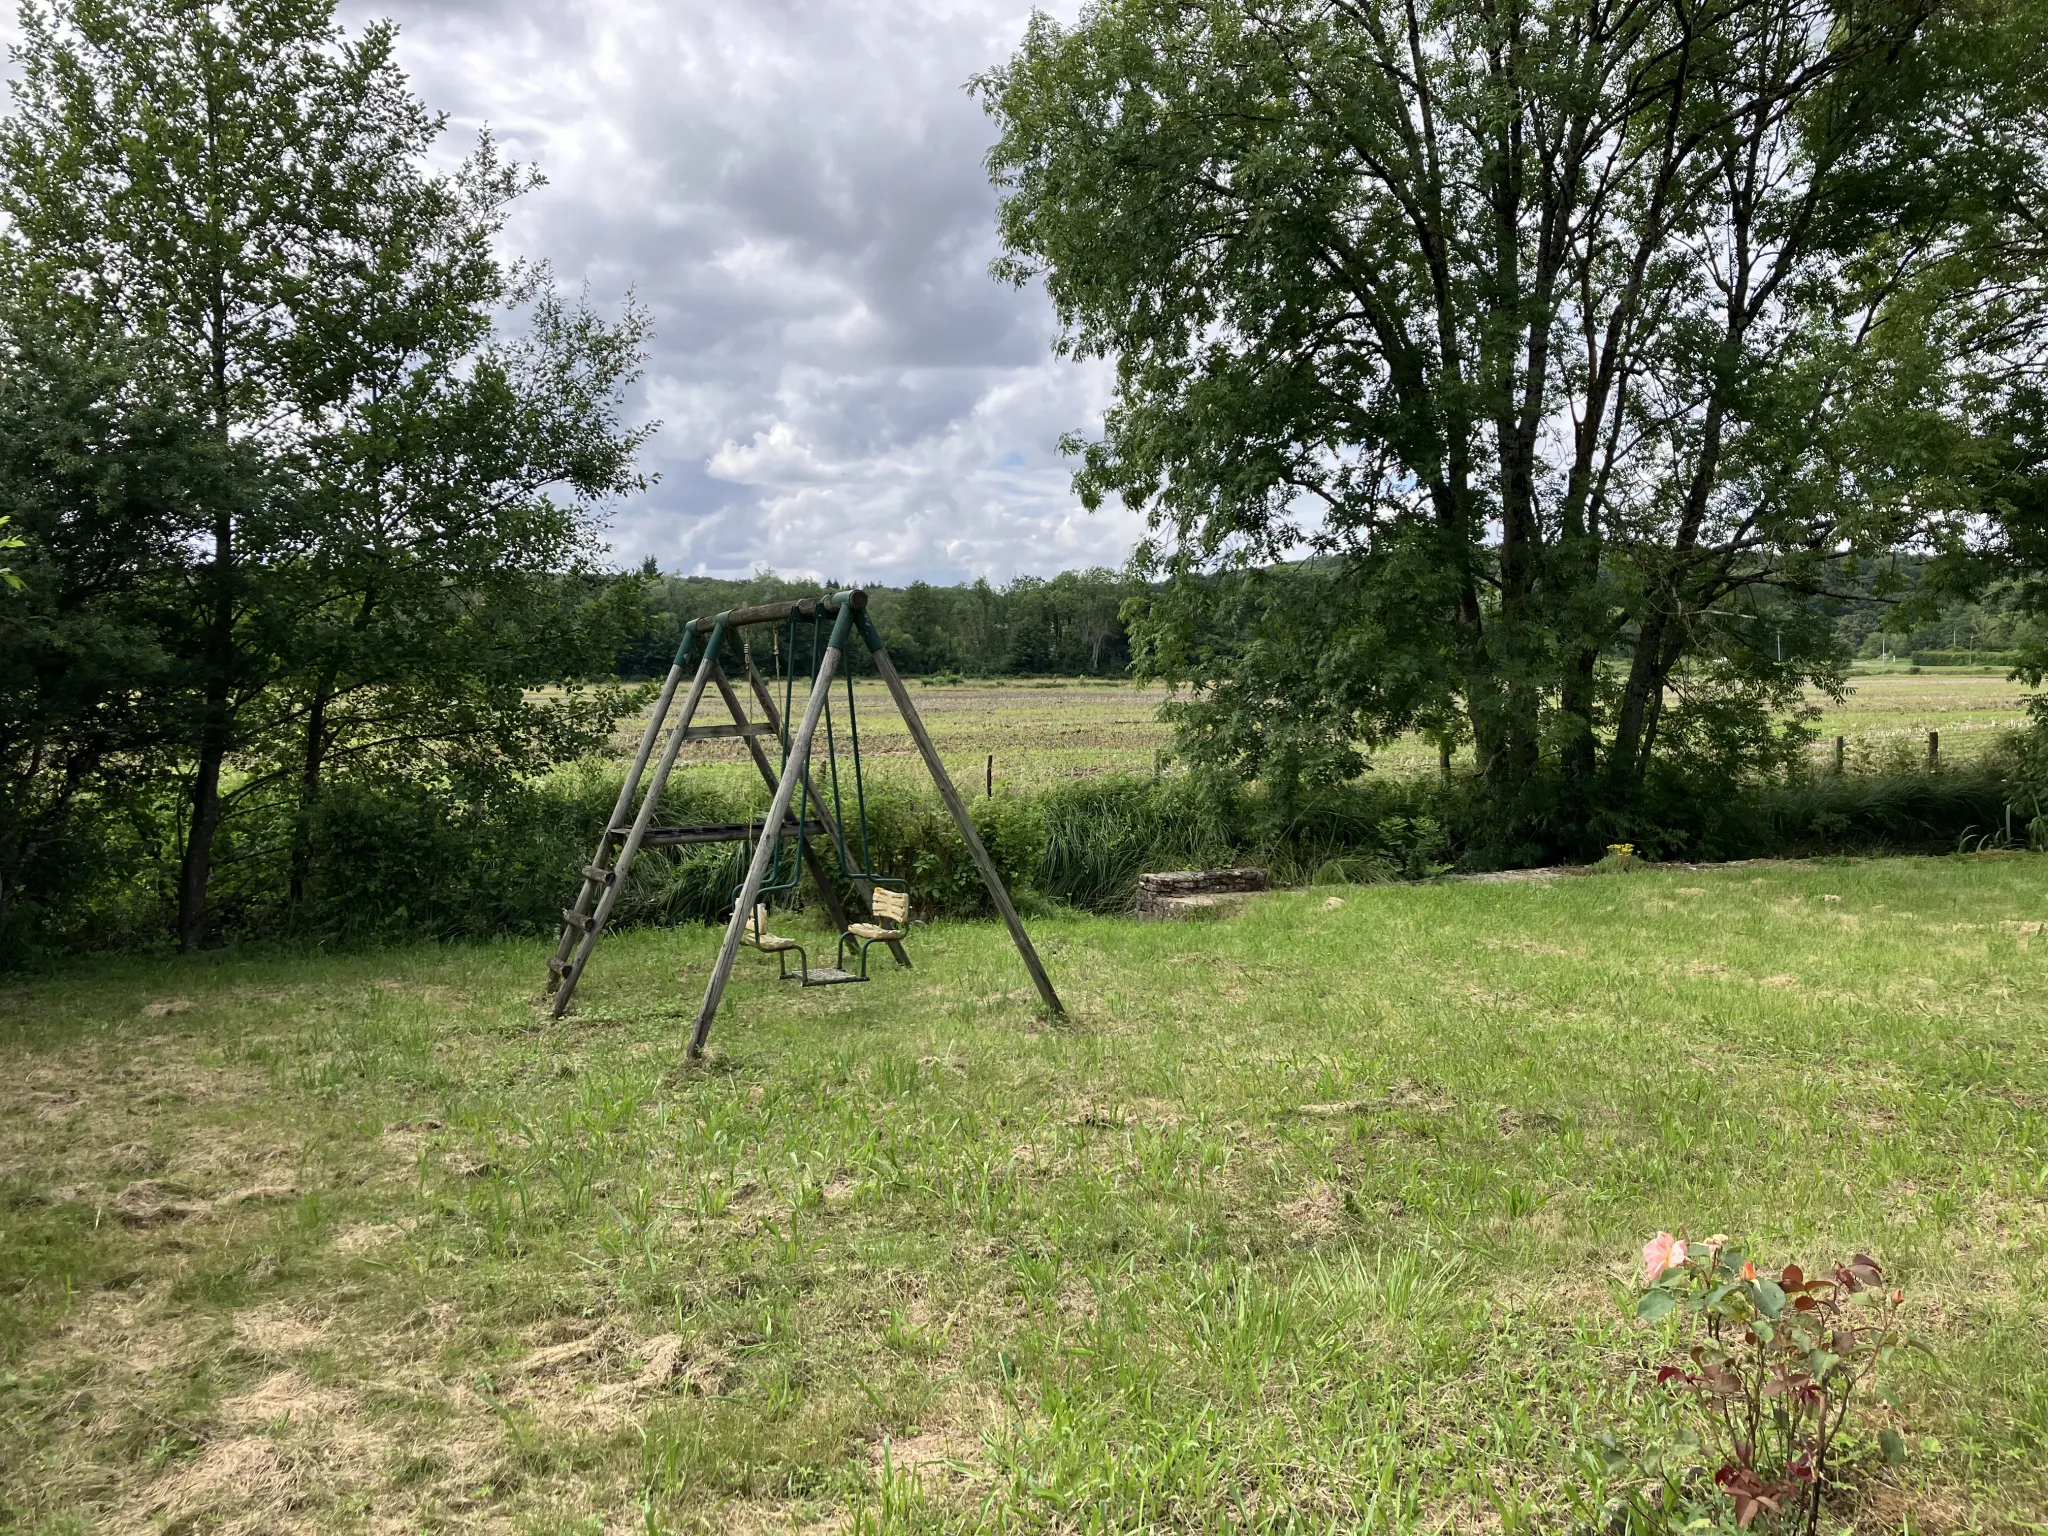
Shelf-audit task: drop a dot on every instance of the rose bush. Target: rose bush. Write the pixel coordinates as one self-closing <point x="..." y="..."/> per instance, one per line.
<point x="1773" y="1369"/>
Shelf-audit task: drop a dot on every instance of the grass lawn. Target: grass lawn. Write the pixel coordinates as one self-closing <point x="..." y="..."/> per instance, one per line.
<point x="1318" y="1218"/>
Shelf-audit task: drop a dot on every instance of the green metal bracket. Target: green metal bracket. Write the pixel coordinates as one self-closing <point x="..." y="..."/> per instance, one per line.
<point x="869" y="633"/>
<point x="841" y="624"/>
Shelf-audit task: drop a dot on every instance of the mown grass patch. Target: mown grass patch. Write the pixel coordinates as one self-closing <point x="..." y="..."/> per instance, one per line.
<point x="1316" y="1218"/>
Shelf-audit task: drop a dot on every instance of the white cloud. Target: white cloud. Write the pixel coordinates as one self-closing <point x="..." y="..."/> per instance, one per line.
<point x="795" y="189"/>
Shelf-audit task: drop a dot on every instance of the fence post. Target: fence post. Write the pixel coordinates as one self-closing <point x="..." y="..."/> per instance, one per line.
<point x="1934" y="751"/>
<point x="1841" y="755"/>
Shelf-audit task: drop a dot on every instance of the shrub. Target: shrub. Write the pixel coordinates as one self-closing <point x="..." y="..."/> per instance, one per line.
<point x="1771" y="1381"/>
<point x="1907" y="813"/>
<point x="2026" y="783"/>
<point x="911" y="838"/>
<point x="1101" y="835"/>
<point x="393" y="859"/>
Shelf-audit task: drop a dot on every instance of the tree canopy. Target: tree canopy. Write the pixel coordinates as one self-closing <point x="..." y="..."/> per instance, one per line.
<point x="1507" y="371"/>
<point x="224" y="243"/>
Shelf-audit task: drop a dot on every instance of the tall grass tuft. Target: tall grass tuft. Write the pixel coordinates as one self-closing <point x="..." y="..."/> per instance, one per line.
<point x="1905" y="813"/>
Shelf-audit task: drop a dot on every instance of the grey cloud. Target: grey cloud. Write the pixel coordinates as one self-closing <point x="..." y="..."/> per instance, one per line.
<point x="795" y="189"/>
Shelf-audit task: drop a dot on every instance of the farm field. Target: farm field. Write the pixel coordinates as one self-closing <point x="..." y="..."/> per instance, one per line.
<point x="1047" y="731"/>
<point x="1317" y="1218"/>
<point x="1888" y="714"/>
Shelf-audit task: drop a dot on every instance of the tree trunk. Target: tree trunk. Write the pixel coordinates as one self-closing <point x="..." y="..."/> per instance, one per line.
<point x="217" y="726"/>
<point x="1658" y="645"/>
<point x="215" y="733"/>
<point x="1624" y="758"/>
<point x="309" y="790"/>
<point x="1576" y="703"/>
<point x="196" y="868"/>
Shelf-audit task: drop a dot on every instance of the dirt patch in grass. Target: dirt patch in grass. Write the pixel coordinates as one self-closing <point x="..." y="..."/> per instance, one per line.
<point x="1315" y="1216"/>
<point x="367" y="1237"/>
<point x="951" y="1452"/>
<point x="1886" y="1506"/>
<point x="287" y="1450"/>
<point x="152" y="1202"/>
<point x="283" y="1329"/>
<point x="53" y="1108"/>
<point x="132" y="1331"/>
<point x="607" y="1376"/>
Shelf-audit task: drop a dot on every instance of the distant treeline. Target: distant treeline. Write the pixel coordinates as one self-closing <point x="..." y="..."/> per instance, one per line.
<point x="1072" y="624"/>
<point x="1897" y="608"/>
<point x="1065" y="626"/>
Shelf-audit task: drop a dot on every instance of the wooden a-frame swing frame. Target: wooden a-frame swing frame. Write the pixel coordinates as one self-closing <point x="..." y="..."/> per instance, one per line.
<point x="604" y="876"/>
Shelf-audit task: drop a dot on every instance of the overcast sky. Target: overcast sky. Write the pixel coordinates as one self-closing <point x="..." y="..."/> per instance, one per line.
<point x="794" y="188"/>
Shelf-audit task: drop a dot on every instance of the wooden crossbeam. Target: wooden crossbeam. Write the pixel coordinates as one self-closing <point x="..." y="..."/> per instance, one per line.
<point x="715" y="832"/>
<point x="775" y="613"/>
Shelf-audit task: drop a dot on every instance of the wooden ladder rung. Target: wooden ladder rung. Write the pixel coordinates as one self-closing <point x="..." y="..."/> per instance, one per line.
<point x="598" y="875"/>
<point x="715" y="832"/>
<point x="722" y="732"/>
<point x="580" y="921"/>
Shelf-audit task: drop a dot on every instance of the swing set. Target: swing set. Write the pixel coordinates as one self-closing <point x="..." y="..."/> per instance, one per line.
<point x="781" y="849"/>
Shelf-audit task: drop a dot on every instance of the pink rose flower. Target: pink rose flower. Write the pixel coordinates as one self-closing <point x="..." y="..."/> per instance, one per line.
<point x="1660" y="1253"/>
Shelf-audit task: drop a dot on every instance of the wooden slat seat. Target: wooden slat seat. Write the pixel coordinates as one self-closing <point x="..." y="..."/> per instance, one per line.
<point x="756" y="934"/>
<point x="891" y="911"/>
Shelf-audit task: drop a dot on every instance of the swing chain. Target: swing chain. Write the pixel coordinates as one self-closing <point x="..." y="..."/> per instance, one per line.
<point x="776" y="883"/>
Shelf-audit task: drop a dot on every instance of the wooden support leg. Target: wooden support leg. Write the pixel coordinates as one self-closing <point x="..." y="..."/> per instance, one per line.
<point x="592" y="925"/>
<point x="961" y="819"/>
<point x="570" y="931"/>
<point x="778" y="812"/>
<point x="861" y="886"/>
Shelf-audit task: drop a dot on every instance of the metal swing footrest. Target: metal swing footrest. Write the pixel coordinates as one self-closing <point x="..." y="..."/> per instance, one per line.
<point x="755" y="935"/>
<point x="828" y="976"/>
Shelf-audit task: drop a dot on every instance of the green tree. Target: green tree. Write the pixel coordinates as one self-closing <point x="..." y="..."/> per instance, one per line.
<point x="1463" y="347"/>
<point x="1978" y="320"/>
<point x="241" y="189"/>
<point x="449" y="572"/>
<point x="98" y="478"/>
<point x="1096" y="599"/>
<point x="923" y="617"/>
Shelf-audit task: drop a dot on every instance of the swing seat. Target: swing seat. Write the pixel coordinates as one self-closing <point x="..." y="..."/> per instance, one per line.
<point x="892" y="909"/>
<point x="755" y="935"/>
